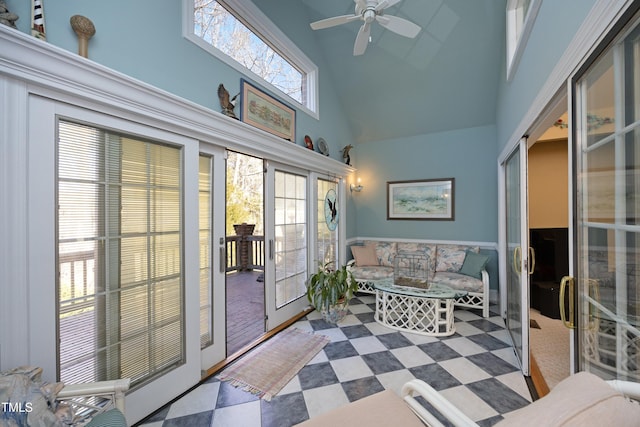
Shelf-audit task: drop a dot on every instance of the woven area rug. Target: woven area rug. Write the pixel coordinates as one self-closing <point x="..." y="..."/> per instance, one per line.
<point x="265" y="370"/>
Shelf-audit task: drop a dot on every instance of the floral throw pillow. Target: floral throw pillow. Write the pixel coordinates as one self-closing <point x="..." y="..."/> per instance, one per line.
<point x="450" y="259"/>
<point x="385" y="251"/>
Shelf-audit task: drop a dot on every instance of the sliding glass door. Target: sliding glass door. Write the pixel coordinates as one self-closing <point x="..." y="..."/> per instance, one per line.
<point x="516" y="260"/>
<point x="607" y="223"/>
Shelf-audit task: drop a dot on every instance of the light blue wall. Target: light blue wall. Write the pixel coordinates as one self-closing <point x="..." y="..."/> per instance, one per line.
<point x="468" y="155"/>
<point x="555" y="26"/>
<point x="143" y="39"/>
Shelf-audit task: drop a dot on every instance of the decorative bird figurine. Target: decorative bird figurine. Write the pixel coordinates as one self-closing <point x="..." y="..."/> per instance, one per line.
<point x="226" y="104"/>
<point x="345" y="154"/>
<point x="333" y="208"/>
<point x="6" y="17"/>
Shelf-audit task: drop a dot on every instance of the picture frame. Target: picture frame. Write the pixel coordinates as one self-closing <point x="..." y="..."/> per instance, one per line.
<point x="427" y="199"/>
<point x="263" y="111"/>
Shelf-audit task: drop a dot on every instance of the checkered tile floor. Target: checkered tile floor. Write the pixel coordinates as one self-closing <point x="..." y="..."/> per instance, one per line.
<point x="475" y="369"/>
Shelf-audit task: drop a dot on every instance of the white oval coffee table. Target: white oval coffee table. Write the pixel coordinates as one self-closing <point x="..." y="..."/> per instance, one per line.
<point x="421" y="311"/>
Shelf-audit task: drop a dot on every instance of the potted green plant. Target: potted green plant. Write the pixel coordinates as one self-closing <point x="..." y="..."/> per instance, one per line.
<point x="329" y="291"/>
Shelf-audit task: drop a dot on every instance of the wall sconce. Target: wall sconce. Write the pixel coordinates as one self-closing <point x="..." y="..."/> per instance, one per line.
<point x="357" y="188"/>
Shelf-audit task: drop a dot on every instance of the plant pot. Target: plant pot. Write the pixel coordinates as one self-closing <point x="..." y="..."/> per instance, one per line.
<point x="336" y="312"/>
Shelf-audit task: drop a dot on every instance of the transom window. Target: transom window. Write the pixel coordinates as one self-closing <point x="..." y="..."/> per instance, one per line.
<point x="239" y="34"/>
<point x="520" y="17"/>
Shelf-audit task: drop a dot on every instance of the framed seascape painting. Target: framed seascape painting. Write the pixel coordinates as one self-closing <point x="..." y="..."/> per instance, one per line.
<point x="429" y="199"/>
<point x="267" y="113"/>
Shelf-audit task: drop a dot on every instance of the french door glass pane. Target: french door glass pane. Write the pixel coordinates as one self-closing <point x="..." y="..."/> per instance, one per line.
<point x="608" y="183"/>
<point x="205" y="222"/>
<point x="120" y="288"/>
<point x="327" y="239"/>
<point x="290" y="236"/>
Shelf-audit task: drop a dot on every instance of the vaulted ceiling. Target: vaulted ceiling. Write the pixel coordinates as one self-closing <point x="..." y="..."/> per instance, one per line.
<point x="446" y="78"/>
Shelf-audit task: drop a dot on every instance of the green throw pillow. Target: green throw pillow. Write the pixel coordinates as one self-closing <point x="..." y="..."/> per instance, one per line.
<point x="473" y="264"/>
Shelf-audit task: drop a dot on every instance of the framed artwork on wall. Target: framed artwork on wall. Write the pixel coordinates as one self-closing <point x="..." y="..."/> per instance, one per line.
<point x="429" y="199"/>
<point x="263" y="111"/>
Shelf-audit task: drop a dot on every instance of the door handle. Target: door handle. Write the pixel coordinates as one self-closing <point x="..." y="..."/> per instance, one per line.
<point x="532" y="262"/>
<point x="271" y="249"/>
<point x="223" y="260"/>
<point x="517" y="259"/>
<point x="567" y="281"/>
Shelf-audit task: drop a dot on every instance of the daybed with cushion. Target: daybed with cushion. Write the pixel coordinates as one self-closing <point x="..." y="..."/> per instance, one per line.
<point x="457" y="266"/>
<point x="28" y="400"/>
<point x="578" y="401"/>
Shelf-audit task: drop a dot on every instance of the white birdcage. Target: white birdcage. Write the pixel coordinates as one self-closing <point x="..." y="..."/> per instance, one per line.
<point x="410" y="269"/>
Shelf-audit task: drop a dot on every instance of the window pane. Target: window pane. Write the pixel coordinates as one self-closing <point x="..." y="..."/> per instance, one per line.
<point x="607" y="179"/>
<point x="599" y="113"/>
<point x="120" y="290"/>
<point x="220" y="28"/>
<point x="325" y="237"/>
<point x="291" y="238"/>
<point x="206" y="297"/>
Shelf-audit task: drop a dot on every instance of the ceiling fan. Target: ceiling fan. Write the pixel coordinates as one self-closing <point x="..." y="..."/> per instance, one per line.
<point x="370" y="11"/>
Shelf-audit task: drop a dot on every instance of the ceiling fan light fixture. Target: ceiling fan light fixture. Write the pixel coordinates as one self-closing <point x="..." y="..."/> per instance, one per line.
<point x="370" y="11"/>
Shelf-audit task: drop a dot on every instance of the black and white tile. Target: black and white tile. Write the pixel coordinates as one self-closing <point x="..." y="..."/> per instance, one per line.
<point x="475" y="369"/>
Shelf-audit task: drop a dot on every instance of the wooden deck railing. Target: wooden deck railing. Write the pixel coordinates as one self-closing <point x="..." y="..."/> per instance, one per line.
<point x="253" y="259"/>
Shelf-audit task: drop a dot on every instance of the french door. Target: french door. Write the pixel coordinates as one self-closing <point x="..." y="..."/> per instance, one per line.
<point x="212" y="259"/>
<point x="517" y="253"/>
<point x="119" y="250"/>
<point x="606" y="273"/>
<point x="287" y="242"/>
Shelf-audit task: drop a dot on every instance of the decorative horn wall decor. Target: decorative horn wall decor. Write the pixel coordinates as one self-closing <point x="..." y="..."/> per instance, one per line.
<point x="84" y="28"/>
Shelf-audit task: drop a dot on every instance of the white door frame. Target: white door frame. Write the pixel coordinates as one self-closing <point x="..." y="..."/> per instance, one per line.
<point x="504" y="254"/>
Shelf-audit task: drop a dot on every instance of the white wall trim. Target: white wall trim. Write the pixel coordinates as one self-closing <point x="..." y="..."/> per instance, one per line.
<point x="14" y="275"/>
<point x="482" y="245"/>
<point x="54" y="72"/>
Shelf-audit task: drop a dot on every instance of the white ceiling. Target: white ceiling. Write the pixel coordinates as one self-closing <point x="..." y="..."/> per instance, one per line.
<point x="446" y="78"/>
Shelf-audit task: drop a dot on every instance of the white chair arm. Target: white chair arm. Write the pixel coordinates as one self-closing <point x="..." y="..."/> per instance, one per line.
<point x="81" y="395"/>
<point x="441" y="404"/>
<point x="485" y="278"/>
<point x="628" y="388"/>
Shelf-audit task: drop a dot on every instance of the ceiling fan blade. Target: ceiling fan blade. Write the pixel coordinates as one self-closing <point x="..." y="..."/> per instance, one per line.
<point x="385" y="4"/>
<point x="389" y="3"/>
<point x="362" y="39"/>
<point x="399" y="25"/>
<point x="382" y="5"/>
<point x="332" y="22"/>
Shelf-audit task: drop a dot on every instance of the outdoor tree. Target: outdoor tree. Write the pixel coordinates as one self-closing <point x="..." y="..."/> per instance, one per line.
<point x="217" y="26"/>
<point x="244" y="192"/>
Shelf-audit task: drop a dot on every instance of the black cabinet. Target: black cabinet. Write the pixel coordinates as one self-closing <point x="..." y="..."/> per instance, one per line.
<point x="545" y="297"/>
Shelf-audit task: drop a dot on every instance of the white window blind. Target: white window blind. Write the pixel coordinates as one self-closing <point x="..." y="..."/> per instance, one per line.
<point x="205" y="207"/>
<point x="120" y="281"/>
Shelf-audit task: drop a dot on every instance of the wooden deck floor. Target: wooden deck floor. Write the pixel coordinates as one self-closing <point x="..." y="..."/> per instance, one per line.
<point x="245" y="309"/>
